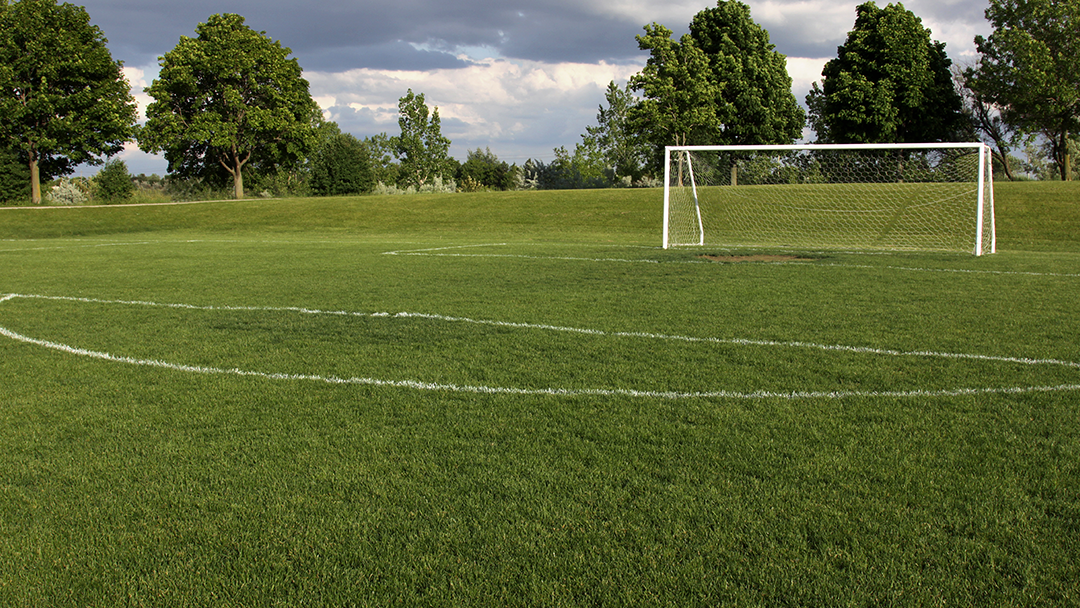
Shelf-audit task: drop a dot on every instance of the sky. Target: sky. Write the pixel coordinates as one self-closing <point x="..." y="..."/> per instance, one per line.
<point x="518" y="78"/>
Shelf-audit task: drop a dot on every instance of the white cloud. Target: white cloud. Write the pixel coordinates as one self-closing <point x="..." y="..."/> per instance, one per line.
<point x="519" y="109"/>
<point x="804" y="72"/>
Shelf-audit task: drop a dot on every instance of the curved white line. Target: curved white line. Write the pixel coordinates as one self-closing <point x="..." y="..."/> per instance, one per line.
<point x="419" y="385"/>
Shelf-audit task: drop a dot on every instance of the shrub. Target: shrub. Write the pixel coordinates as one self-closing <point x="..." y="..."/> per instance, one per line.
<point x="483" y="170"/>
<point x="435" y="186"/>
<point x="113" y="184"/>
<point x="68" y="192"/>
<point x="342" y="166"/>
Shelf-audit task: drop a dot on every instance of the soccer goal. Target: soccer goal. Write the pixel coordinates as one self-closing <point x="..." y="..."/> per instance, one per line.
<point x="923" y="197"/>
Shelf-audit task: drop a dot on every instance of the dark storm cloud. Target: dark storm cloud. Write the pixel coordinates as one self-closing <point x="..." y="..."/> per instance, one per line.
<point x="336" y="34"/>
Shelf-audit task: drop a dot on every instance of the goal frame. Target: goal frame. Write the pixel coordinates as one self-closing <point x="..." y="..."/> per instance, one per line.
<point x="984" y="204"/>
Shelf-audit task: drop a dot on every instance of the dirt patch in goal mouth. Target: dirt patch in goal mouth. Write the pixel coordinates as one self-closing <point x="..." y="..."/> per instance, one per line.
<point x="758" y="257"/>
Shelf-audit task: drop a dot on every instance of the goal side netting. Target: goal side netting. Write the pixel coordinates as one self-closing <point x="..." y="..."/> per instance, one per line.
<point x="921" y="197"/>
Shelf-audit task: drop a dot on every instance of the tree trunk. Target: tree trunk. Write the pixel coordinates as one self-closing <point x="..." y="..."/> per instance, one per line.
<point x="1003" y="157"/>
<point x="238" y="184"/>
<point x="1066" y="169"/>
<point x="35" y="177"/>
<point x="235" y="166"/>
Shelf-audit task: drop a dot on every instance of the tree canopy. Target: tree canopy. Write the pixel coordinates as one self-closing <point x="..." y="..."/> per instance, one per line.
<point x="1030" y="68"/>
<point x="723" y="83"/>
<point x="889" y="83"/>
<point x="227" y="98"/>
<point x="341" y="164"/>
<point x="423" y="151"/>
<point x="63" y="99"/>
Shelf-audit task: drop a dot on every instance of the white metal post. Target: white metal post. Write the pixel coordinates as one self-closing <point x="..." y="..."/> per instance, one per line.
<point x="979" y="209"/>
<point x="697" y="205"/>
<point x="667" y="194"/>
<point x="993" y="215"/>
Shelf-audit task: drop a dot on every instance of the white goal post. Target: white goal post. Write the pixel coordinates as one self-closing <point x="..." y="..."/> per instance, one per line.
<point x="919" y="197"/>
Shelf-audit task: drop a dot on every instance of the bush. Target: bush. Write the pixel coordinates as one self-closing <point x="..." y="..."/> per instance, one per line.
<point x="342" y="166"/>
<point x="69" y="192"/>
<point x="436" y="186"/>
<point x="484" y="171"/>
<point x="113" y="184"/>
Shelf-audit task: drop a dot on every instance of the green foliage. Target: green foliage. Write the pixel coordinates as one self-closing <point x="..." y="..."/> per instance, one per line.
<point x="987" y="122"/>
<point x="14" y="177"/>
<point x="63" y="99"/>
<point x="679" y="100"/>
<point x="482" y="170"/>
<point x="435" y="186"/>
<point x="69" y="192"/>
<point x="1029" y="68"/>
<point x="566" y="172"/>
<point x="423" y="152"/>
<point x="381" y="154"/>
<point x="723" y="83"/>
<point x="113" y="183"/>
<point x="228" y="99"/>
<point x="341" y="165"/>
<point x="888" y="84"/>
<point x="613" y="141"/>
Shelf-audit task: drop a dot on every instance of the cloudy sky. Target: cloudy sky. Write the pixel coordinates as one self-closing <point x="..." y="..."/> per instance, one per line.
<point x="520" y="78"/>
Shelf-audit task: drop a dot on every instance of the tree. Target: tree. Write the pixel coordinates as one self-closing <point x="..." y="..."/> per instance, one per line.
<point x="341" y="165"/>
<point x="14" y="177"/>
<point x="63" y="100"/>
<point x="889" y="83"/>
<point x="613" y="139"/>
<point x="113" y="183"/>
<point x="381" y="151"/>
<point x="423" y="151"/>
<point x="751" y="76"/>
<point x="723" y="83"/>
<point x="483" y="169"/>
<point x="227" y="98"/>
<point x="986" y="120"/>
<point x="1030" y="68"/>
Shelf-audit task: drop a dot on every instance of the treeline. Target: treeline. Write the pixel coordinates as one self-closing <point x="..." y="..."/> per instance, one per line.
<point x="232" y="114"/>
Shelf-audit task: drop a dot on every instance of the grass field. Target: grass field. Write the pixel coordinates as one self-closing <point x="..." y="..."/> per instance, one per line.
<point x="518" y="399"/>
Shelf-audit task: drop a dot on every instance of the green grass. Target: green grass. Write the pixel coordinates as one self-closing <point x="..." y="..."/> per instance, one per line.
<point x="124" y="483"/>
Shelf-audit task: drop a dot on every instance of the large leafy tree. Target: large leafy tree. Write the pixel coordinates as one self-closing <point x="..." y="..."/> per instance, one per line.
<point x="722" y="83"/>
<point x="890" y="83"/>
<point x="63" y="100"/>
<point x="228" y="98"/>
<point x="1030" y="68"/>
<point x="423" y="151"/>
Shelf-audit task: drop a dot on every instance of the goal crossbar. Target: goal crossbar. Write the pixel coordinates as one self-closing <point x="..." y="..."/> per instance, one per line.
<point x="924" y="196"/>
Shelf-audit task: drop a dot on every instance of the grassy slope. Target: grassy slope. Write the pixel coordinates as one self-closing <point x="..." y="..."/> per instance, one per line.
<point x="1035" y="216"/>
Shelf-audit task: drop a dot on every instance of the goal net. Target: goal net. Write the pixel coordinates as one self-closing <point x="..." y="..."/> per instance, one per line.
<point x="927" y="197"/>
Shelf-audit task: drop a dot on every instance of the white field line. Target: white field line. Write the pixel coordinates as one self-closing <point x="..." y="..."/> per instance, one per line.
<point x="554" y="392"/>
<point x="418" y="385"/>
<point x="863" y="350"/>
